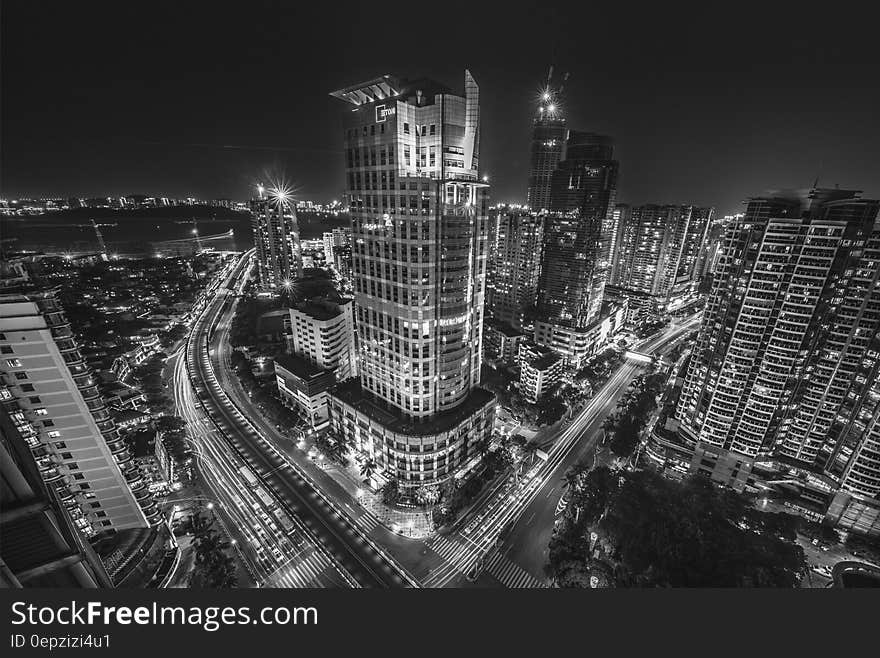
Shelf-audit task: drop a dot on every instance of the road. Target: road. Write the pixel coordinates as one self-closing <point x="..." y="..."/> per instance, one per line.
<point x="526" y="510"/>
<point x="326" y="526"/>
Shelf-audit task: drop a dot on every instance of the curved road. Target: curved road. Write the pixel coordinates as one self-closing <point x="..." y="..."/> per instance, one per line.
<point x="367" y="563"/>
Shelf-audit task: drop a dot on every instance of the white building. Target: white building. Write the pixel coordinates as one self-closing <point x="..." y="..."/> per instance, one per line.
<point x="322" y="332"/>
<point x="52" y="397"/>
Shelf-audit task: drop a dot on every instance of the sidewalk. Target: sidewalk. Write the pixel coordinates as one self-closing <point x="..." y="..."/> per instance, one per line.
<point x="412" y="524"/>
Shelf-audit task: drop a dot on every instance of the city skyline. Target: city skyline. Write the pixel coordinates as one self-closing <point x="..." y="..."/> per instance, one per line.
<point x="588" y="309"/>
<point x="727" y="101"/>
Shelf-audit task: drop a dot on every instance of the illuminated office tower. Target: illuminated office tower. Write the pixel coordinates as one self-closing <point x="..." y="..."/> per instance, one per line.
<point x="52" y="399"/>
<point x="575" y="261"/>
<point x="276" y="239"/>
<point x="549" y="137"/>
<point x="656" y="259"/>
<point x="512" y="282"/>
<point x="420" y="245"/>
<point x="787" y="330"/>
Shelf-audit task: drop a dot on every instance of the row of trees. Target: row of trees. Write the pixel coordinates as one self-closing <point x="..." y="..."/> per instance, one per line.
<point x="264" y="394"/>
<point x="149" y="379"/>
<point x="639" y="529"/>
<point x="455" y="495"/>
<point x="172" y="433"/>
<point x="214" y="566"/>
<point x="633" y="411"/>
<point x="170" y="336"/>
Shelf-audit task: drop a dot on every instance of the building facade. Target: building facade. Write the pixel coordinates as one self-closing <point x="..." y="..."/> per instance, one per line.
<point x="302" y="385"/>
<point x="657" y="256"/>
<point x="575" y="259"/>
<point x="549" y="137"/>
<point x="420" y="246"/>
<point x="783" y="361"/>
<point x="540" y="369"/>
<point x="41" y="545"/>
<point x="276" y="241"/>
<point x="52" y="398"/>
<point x="322" y="332"/>
<point x="501" y="343"/>
<point x="515" y="264"/>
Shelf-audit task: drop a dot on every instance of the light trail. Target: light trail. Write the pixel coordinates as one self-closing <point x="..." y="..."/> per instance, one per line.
<point x="262" y="541"/>
<point x="482" y="532"/>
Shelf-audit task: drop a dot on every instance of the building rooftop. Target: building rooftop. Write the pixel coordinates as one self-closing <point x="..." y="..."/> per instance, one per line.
<point x="350" y="392"/>
<point x="504" y="328"/>
<point x="299" y="366"/>
<point x="321" y="308"/>
<point x="546" y="361"/>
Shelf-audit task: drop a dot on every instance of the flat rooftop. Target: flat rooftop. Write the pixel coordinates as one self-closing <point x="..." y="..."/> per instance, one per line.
<point x="299" y="366"/>
<point x="351" y="393"/>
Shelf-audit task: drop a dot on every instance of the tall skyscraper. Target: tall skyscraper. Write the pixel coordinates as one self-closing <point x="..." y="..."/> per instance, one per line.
<point x="512" y="281"/>
<point x="549" y="137"/>
<point x="657" y="254"/>
<point x="788" y="341"/>
<point x="420" y="244"/>
<point x="575" y="261"/>
<point x="52" y="398"/>
<point x="276" y="239"/>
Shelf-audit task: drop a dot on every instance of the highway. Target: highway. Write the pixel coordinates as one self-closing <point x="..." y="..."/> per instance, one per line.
<point x="326" y="528"/>
<point x="525" y="510"/>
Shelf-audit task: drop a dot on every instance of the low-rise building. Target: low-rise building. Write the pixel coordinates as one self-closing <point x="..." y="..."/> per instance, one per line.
<point x="322" y="332"/>
<point x="577" y="345"/>
<point x="302" y="385"/>
<point x="501" y="342"/>
<point x="540" y="369"/>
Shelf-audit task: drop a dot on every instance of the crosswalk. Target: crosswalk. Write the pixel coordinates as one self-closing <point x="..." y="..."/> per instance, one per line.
<point x="299" y="573"/>
<point x="367" y="521"/>
<point x="510" y="574"/>
<point x="448" y="549"/>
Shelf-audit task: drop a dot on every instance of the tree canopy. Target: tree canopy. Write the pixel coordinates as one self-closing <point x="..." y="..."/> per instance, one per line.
<point x="657" y="532"/>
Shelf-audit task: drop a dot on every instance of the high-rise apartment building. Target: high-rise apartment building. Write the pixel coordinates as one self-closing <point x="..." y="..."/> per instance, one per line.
<point x="40" y="546"/>
<point x="276" y="240"/>
<point x="512" y="281"/>
<point x="52" y="399"/>
<point x="657" y="255"/>
<point x="787" y="349"/>
<point x="420" y="245"/>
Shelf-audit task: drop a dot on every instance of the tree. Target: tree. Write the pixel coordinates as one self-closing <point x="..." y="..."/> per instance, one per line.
<point x="214" y="568"/>
<point x="169" y="423"/>
<point x="368" y="468"/>
<point x="427" y="495"/>
<point x="391" y="492"/>
<point x="661" y="532"/>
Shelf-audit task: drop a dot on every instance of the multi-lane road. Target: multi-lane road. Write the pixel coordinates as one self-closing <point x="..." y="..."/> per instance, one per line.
<point x="504" y="540"/>
<point x="327" y="539"/>
<point x="340" y="552"/>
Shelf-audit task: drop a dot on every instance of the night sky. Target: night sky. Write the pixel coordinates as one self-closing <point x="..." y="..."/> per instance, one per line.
<point x="706" y="105"/>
